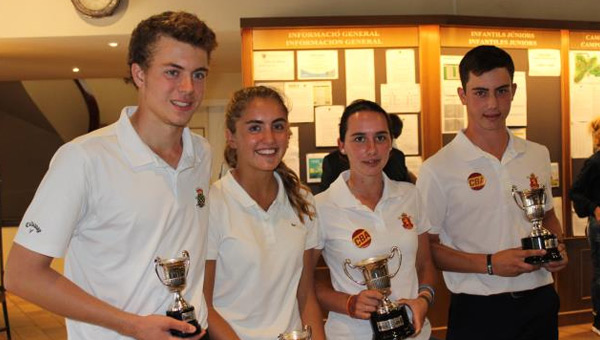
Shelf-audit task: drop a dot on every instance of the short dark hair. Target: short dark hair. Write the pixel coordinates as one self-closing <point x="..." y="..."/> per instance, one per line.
<point x="483" y="59"/>
<point x="360" y="105"/>
<point x="181" y="26"/>
<point x="396" y="125"/>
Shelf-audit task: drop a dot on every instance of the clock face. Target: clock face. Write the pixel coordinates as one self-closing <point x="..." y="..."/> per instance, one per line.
<point x="96" y="8"/>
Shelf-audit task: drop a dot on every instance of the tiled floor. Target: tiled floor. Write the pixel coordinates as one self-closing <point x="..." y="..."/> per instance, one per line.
<point x="29" y="322"/>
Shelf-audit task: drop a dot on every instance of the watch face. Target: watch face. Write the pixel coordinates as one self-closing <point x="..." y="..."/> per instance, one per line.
<point x="96" y="8"/>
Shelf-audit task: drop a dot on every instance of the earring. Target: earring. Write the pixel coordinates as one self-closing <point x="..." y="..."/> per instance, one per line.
<point x="343" y="151"/>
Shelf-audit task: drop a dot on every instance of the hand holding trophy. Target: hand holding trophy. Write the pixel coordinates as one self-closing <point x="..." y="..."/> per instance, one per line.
<point x="391" y="321"/>
<point x="174" y="273"/>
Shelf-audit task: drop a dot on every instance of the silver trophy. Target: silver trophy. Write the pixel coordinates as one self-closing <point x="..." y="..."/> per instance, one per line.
<point x="532" y="202"/>
<point x="391" y="321"/>
<point x="174" y="273"/>
<point x="304" y="334"/>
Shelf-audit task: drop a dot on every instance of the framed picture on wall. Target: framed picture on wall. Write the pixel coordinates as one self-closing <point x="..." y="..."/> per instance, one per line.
<point x="314" y="167"/>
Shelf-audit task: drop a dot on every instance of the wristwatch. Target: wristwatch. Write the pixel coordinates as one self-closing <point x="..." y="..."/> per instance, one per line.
<point x="96" y="8"/>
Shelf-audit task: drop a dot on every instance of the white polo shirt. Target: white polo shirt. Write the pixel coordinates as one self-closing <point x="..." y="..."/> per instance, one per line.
<point x="259" y="259"/>
<point x="342" y="216"/>
<point x="469" y="204"/>
<point x="111" y="205"/>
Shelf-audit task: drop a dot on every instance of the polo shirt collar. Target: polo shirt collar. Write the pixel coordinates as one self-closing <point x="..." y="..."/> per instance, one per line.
<point x="344" y="197"/>
<point x="138" y="153"/>
<point x="241" y="196"/>
<point x="470" y="151"/>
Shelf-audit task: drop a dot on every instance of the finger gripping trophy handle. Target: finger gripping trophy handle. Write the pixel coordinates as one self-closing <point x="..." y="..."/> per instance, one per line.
<point x="517" y="198"/>
<point x="397" y="251"/>
<point x="347" y="264"/>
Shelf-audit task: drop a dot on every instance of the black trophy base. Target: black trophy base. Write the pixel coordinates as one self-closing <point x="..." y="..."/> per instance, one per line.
<point x="188" y="315"/>
<point x="547" y="242"/>
<point x="394" y="325"/>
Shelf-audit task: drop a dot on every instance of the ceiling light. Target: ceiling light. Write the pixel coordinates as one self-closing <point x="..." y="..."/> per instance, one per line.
<point x="75" y="69"/>
<point x="113" y="44"/>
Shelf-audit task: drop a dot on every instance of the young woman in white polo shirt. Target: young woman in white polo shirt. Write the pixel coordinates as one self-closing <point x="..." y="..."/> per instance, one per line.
<point x="364" y="214"/>
<point x="262" y="229"/>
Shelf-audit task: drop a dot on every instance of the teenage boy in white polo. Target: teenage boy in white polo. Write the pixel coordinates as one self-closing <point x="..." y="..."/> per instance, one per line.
<point x="115" y="199"/>
<point x="476" y="225"/>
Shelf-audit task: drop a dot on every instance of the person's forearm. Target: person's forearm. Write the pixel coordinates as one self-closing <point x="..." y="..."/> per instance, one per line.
<point x="448" y="259"/>
<point x="219" y="328"/>
<point x="310" y="310"/>
<point x="38" y="283"/>
<point x="424" y="264"/>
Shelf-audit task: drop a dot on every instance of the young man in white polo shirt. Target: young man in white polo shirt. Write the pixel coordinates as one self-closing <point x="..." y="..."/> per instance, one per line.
<point x="115" y="199"/>
<point x="476" y="225"/>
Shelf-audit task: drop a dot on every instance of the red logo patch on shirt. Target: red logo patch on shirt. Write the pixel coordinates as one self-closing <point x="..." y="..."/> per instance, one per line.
<point x="533" y="181"/>
<point x="361" y="238"/>
<point x="406" y="221"/>
<point x="476" y="181"/>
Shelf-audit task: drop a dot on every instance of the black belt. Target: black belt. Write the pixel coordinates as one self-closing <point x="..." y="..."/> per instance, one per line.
<point x="523" y="293"/>
<point x="512" y="295"/>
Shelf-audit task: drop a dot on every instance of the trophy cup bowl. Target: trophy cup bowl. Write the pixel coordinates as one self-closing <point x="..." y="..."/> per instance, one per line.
<point x="304" y="334"/>
<point x="532" y="203"/>
<point x="391" y="321"/>
<point x="173" y="275"/>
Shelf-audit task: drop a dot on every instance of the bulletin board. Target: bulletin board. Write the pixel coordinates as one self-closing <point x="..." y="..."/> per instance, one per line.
<point x="320" y="70"/>
<point x="547" y="107"/>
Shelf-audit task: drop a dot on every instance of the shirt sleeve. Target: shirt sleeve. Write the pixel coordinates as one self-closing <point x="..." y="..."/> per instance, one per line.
<point x="434" y="209"/>
<point x="59" y="204"/>
<point x="313" y="227"/>
<point x="216" y="207"/>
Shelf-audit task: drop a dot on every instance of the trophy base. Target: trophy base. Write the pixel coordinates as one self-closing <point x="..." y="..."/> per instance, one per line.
<point x="547" y="242"/>
<point x="394" y="325"/>
<point x="187" y="315"/>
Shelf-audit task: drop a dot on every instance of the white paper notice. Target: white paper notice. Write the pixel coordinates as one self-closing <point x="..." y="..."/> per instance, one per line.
<point x="413" y="163"/>
<point x="327" y="121"/>
<point x="544" y="62"/>
<point x="401" y="97"/>
<point x="278" y="86"/>
<point x="300" y="95"/>
<point x="581" y="140"/>
<point x="274" y="65"/>
<point x="322" y="94"/>
<point x="317" y="64"/>
<point x="579" y="224"/>
<point x="360" y="75"/>
<point x="408" y="142"/>
<point x="454" y="115"/>
<point x="292" y="155"/>
<point x="518" y="109"/>
<point x="400" y="66"/>
<point x="519" y="132"/>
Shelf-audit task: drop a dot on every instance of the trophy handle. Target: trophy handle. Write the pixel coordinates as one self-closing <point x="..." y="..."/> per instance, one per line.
<point x="397" y="251"/>
<point x="347" y="264"/>
<point x="186" y="255"/>
<point x="517" y="198"/>
<point x="157" y="261"/>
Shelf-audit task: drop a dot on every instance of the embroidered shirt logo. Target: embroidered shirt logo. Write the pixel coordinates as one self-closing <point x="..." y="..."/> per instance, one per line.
<point x="406" y="221"/>
<point x="200" y="198"/>
<point x="32" y="226"/>
<point x="476" y="181"/>
<point x="361" y="238"/>
<point x="533" y="181"/>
